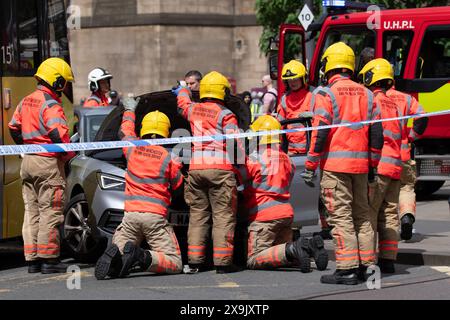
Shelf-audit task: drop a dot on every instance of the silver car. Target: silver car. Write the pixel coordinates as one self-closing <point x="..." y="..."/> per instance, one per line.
<point x="96" y="184"/>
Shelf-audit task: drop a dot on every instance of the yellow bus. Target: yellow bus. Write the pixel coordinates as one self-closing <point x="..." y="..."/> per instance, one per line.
<point x="30" y="32"/>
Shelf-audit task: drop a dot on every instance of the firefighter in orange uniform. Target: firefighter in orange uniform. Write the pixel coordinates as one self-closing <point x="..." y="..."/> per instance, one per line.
<point x="268" y="175"/>
<point x="345" y="155"/>
<point x="211" y="191"/>
<point x="294" y="102"/>
<point x="150" y="178"/>
<point x="39" y="119"/>
<point x="408" y="105"/>
<point x="384" y="190"/>
<point x="100" y="84"/>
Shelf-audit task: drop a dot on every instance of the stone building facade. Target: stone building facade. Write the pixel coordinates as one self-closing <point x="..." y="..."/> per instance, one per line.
<point x="148" y="44"/>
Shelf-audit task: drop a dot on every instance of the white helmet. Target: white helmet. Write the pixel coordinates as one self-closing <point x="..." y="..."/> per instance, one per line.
<point x="95" y="75"/>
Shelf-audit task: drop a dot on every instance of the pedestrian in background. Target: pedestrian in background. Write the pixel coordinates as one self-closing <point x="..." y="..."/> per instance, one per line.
<point x="270" y="96"/>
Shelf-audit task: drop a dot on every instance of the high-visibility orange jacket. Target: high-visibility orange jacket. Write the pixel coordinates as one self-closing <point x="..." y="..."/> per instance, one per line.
<point x="96" y="100"/>
<point x="390" y="163"/>
<point x="267" y="176"/>
<point x="39" y="119"/>
<point x="291" y="105"/>
<point x="150" y="173"/>
<point x="345" y="149"/>
<point x="408" y="105"/>
<point x="209" y="118"/>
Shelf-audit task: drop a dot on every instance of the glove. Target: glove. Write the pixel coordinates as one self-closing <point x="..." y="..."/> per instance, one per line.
<point x="130" y="104"/>
<point x="309" y="176"/>
<point x="181" y="85"/>
<point x="372" y="174"/>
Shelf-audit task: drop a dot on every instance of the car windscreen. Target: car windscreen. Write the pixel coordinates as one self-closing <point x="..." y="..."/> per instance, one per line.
<point x="93" y="124"/>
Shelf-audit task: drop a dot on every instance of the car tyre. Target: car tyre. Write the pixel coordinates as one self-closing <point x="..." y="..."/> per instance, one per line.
<point x="80" y="240"/>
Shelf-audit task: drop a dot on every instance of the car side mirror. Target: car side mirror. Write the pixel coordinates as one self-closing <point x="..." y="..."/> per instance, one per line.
<point x="75" y="138"/>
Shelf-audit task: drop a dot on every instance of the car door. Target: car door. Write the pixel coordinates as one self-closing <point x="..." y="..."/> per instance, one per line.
<point x="304" y="199"/>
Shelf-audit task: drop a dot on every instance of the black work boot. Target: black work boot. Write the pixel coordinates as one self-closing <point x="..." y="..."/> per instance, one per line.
<point x="227" y="269"/>
<point x="133" y="254"/>
<point x="407" y="222"/>
<point x="318" y="253"/>
<point x="194" y="268"/>
<point x="298" y="250"/>
<point x="34" y="266"/>
<point x="386" y="265"/>
<point x="53" y="265"/>
<point x="109" y="263"/>
<point x="324" y="233"/>
<point x="348" y="277"/>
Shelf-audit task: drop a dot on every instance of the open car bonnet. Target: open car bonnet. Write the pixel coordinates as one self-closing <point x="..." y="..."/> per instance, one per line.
<point x="165" y="102"/>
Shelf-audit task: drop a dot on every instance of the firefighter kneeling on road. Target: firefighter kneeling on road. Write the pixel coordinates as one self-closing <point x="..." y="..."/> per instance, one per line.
<point x="384" y="185"/>
<point x="151" y="175"/>
<point x="39" y="119"/>
<point x="345" y="154"/>
<point x="211" y="192"/>
<point x="267" y="177"/>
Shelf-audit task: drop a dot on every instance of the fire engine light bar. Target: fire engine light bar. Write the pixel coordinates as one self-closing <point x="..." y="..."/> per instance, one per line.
<point x="333" y="3"/>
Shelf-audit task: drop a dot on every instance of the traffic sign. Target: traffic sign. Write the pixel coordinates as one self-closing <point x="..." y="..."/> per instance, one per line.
<point x="306" y="17"/>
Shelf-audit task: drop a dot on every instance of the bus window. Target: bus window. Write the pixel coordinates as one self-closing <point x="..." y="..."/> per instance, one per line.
<point x="28" y="36"/>
<point x="396" y="46"/>
<point x="57" y="31"/>
<point x="360" y="39"/>
<point x="8" y="39"/>
<point x="434" y="57"/>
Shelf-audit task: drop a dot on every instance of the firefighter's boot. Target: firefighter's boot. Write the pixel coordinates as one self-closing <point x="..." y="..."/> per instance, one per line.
<point x="407" y="222"/>
<point x="228" y="269"/>
<point x="53" y="265"/>
<point x="325" y="233"/>
<point x="34" y="266"/>
<point x="317" y="251"/>
<point x="386" y="265"/>
<point x="109" y="264"/>
<point x="298" y="251"/>
<point x="132" y="255"/>
<point x="348" y="277"/>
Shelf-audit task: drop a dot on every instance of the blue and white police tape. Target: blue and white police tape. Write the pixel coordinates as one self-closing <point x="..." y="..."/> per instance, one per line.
<point x="9" y="150"/>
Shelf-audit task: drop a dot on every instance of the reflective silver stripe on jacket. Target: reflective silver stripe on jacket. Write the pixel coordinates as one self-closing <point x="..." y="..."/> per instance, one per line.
<point x="267" y="205"/>
<point x="346" y="154"/>
<point x="390" y="134"/>
<point x="222" y="115"/>
<point x="327" y="90"/>
<point x="145" y="199"/>
<point x="160" y="180"/>
<point x="390" y="160"/>
<point x="95" y="98"/>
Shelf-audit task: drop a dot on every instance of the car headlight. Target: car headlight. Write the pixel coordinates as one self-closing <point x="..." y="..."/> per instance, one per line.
<point x="110" y="182"/>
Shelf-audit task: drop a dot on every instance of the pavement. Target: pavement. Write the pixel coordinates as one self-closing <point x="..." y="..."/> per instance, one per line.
<point x="430" y="244"/>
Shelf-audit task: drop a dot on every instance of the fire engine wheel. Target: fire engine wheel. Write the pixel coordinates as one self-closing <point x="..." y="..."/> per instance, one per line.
<point x="77" y="235"/>
<point x="425" y="188"/>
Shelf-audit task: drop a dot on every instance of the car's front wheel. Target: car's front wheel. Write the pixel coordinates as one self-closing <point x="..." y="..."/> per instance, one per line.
<point x="79" y="237"/>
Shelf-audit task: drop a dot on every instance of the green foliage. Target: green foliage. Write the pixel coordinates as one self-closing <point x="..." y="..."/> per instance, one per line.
<point x="272" y="13"/>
